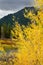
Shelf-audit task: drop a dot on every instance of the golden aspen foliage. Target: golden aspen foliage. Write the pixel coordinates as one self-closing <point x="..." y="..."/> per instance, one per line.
<point x="38" y="3"/>
<point x="17" y="32"/>
<point x="35" y="33"/>
<point x="30" y="44"/>
<point x="28" y="40"/>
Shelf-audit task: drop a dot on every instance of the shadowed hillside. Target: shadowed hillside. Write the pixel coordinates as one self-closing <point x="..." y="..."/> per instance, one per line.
<point x="18" y="16"/>
<point x="8" y="21"/>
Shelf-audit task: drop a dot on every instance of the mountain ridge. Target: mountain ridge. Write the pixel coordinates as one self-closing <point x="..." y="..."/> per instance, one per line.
<point x="19" y="16"/>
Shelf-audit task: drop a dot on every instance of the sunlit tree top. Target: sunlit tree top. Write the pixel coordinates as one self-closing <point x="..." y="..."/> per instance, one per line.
<point x="39" y="3"/>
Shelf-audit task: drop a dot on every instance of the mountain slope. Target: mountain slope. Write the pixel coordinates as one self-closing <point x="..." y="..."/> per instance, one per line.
<point x="9" y="21"/>
<point x="19" y="16"/>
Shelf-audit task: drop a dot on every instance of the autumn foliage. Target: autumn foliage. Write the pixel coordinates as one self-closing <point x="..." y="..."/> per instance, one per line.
<point x="28" y="40"/>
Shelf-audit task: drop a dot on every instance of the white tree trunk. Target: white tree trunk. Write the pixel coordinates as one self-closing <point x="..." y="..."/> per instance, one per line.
<point x="2" y="33"/>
